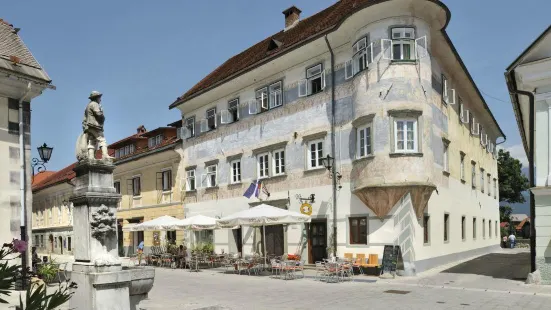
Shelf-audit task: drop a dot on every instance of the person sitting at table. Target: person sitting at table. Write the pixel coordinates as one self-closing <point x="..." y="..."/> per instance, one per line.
<point x="181" y="254"/>
<point x="35" y="258"/>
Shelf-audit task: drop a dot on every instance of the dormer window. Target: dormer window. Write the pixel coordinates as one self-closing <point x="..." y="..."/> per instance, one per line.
<point x="314" y="82"/>
<point x="124" y="151"/>
<point x="155" y="141"/>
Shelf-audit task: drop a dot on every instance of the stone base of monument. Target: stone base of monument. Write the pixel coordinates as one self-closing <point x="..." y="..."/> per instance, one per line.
<point x="102" y="282"/>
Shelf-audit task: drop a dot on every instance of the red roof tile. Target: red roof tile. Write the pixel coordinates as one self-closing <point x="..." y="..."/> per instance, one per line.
<point x="307" y="29"/>
<point x="41" y="176"/>
<point x="63" y="175"/>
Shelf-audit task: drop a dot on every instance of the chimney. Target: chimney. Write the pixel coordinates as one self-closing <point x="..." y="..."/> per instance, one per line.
<point x="141" y="130"/>
<point x="292" y="15"/>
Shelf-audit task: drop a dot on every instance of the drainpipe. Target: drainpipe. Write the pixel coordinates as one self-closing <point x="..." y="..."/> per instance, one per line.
<point x="23" y="184"/>
<point x="333" y="153"/>
<point x="532" y="176"/>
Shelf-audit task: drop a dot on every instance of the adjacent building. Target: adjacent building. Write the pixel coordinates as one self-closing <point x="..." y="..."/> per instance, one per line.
<point x="529" y="82"/>
<point x="22" y="79"/>
<point x="379" y="86"/>
<point x="146" y="174"/>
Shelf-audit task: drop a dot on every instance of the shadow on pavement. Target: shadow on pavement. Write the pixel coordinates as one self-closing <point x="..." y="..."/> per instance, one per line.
<point x="501" y="266"/>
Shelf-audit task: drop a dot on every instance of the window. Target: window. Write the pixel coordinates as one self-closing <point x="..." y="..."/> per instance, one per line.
<point x="190" y="126"/>
<point x="14" y="153"/>
<point x="154" y="141"/>
<point x="124" y="151"/>
<point x="473" y="174"/>
<point x="166" y="180"/>
<point x="315" y="154"/>
<point x="278" y="158"/>
<point x="204" y="236"/>
<point x="463" y="228"/>
<point x="362" y="57"/>
<point x="358" y="230"/>
<point x="490" y="228"/>
<point x="495" y="229"/>
<point x="483" y="229"/>
<point x="233" y="109"/>
<point x="446" y="159"/>
<point x="136" y="186"/>
<point x="211" y="176"/>
<point x="190" y="180"/>
<point x="275" y="95"/>
<point x="263" y="165"/>
<point x="211" y="119"/>
<point x="489" y="177"/>
<point x="474" y="227"/>
<point x="462" y="166"/>
<point x="261" y="96"/>
<point x="445" y="89"/>
<point x="403" y="43"/>
<point x="15" y="178"/>
<point x="235" y="171"/>
<point x="69" y="246"/>
<point x="482" y="180"/>
<point x="405" y="131"/>
<point x="364" y="141"/>
<point x="117" y="186"/>
<point x="426" y="229"/>
<point x="171" y="236"/>
<point x="495" y="188"/>
<point x="41" y="241"/>
<point x="314" y="82"/>
<point x="446" y="227"/>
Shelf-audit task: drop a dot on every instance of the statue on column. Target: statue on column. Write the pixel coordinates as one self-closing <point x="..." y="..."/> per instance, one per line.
<point x="92" y="135"/>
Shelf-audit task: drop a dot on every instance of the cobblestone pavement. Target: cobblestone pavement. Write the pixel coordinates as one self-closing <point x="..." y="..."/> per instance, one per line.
<point x="212" y="289"/>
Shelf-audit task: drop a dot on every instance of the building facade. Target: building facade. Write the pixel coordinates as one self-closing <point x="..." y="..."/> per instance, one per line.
<point x="21" y="80"/>
<point x="378" y="86"/>
<point x="529" y="82"/>
<point x="147" y="165"/>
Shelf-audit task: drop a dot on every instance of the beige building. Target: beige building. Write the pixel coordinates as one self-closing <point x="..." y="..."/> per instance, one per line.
<point x="146" y="175"/>
<point x="21" y="80"/>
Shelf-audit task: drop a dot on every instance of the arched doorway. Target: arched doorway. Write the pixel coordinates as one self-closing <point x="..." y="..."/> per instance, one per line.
<point x="61" y="244"/>
<point x="51" y="238"/>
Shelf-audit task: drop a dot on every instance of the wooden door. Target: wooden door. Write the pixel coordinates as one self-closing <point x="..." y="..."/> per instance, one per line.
<point x="274" y="240"/>
<point x="317" y="241"/>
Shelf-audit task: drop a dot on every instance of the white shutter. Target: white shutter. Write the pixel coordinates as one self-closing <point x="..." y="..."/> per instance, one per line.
<point x="323" y="79"/>
<point x="483" y="138"/>
<point x="451" y="96"/>
<point x="185" y="133"/>
<point x="263" y="101"/>
<point x="204" y="125"/>
<point x="303" y="88"/>
<point x="421" y="47"/>
<point x="386" y="48"/>
<point x="348" y="69"/>
<point x="465" y="116"/>
<point x="475" y="128"/>
<point x="369" y="56"/>
<point x="204" y="181"/>
<point x="225" y="117"/>
<point x="356" y="64"/>
<point x="253" y="107"/>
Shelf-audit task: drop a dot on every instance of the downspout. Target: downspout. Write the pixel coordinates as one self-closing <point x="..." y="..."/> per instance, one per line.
<point x="333" y="142"/>
<point x="23" y="182"/>
<point x="531" y="176"/>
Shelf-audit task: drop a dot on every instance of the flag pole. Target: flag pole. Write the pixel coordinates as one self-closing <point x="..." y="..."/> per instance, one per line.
<point x="265" y="252"/>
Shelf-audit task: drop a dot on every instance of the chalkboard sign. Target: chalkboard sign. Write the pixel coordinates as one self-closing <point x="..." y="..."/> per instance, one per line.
<point x="392" y="259"/>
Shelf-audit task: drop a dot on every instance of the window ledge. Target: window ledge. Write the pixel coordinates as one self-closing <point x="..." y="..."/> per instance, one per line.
<point x="235" y="184"/>
<point x="447" y="242"/>
<point x="167" y="192"/>
<point x="404" y="61"/>
<point x="446" y="173"/>
<point x="275" y="177"/>
<point x="360" y="159"/>
<point x="473" y="187"/>
<point x="463" y="181"/>
<point x="137" y="197"/>
<point x="314" y="169"/>
<point x="406" y="154"/>
<point x="191" y="191"/>
<point x="426" y="244"/>
<point x="211" y="188"/>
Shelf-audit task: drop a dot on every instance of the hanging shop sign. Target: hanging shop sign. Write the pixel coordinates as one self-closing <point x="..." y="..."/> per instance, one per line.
<point x="306" y="208"/>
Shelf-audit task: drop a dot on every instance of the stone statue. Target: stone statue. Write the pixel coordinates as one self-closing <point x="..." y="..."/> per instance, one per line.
<point x="92" y="130"/>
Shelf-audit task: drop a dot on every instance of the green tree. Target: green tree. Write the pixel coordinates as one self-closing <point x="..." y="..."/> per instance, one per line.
<point x="511" y="180"/>
<point x="505" y="213"/>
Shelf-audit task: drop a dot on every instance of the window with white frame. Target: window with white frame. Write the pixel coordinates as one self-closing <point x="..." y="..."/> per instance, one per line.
<point x="211" y="119"/>
<point x="190" y="127"/>
<point x="190" y="180"/>
<point x="462" y="166"/>
<point x="482" y="180"/>
<point x="233" y="109"/>
<point x="315" y="154"/>
<point x="166" y="180"/>
<point x="405" y="135"/>
<point x="124" y="151"/>
<point x="473" y="174"/>
<point x="263" y="166"/>
<point x="276" y="98"/>
<point x="235" y="172"/>
<point x="154" y="141"/>
<point x="403" y="43"/>
<point x="136" y="186"/>
<point x="489" y="177"/>
<point x="211" y="176"/>
<point x="446" y="157"/>
<point x="363" y="144"/>
<point x="261" y="96"/>
<point x="362" y="55"/>
<point x="314" y="82"/>
<point x="278" y="157"/>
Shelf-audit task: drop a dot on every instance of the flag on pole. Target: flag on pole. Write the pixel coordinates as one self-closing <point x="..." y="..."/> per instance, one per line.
<point x="254" y="189"/>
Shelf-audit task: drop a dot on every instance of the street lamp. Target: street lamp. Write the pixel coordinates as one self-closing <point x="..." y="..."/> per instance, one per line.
<point x="329" y="163"/>
<point x="45" y="152"/>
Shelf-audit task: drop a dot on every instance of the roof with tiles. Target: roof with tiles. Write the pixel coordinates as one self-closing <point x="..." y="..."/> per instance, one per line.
<point x="41" y="176"/>
<point x="305" y="30"/>
<point x="64" y="175"/>
<point x="12" y="45"/>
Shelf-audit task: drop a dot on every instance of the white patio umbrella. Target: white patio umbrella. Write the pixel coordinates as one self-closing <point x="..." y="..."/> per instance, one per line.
<point x="198" y="222"/>
<point x="164" y="222"/>
<point x="263" y="215"/>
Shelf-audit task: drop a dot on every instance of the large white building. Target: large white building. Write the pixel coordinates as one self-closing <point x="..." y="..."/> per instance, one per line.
<point x="21" y="80"/>
<point x="529" y="82"/>
<point x="413" y="139"/>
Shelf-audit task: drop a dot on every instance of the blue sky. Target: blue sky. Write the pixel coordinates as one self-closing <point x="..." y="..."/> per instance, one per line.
<point x="143" y="54"/>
